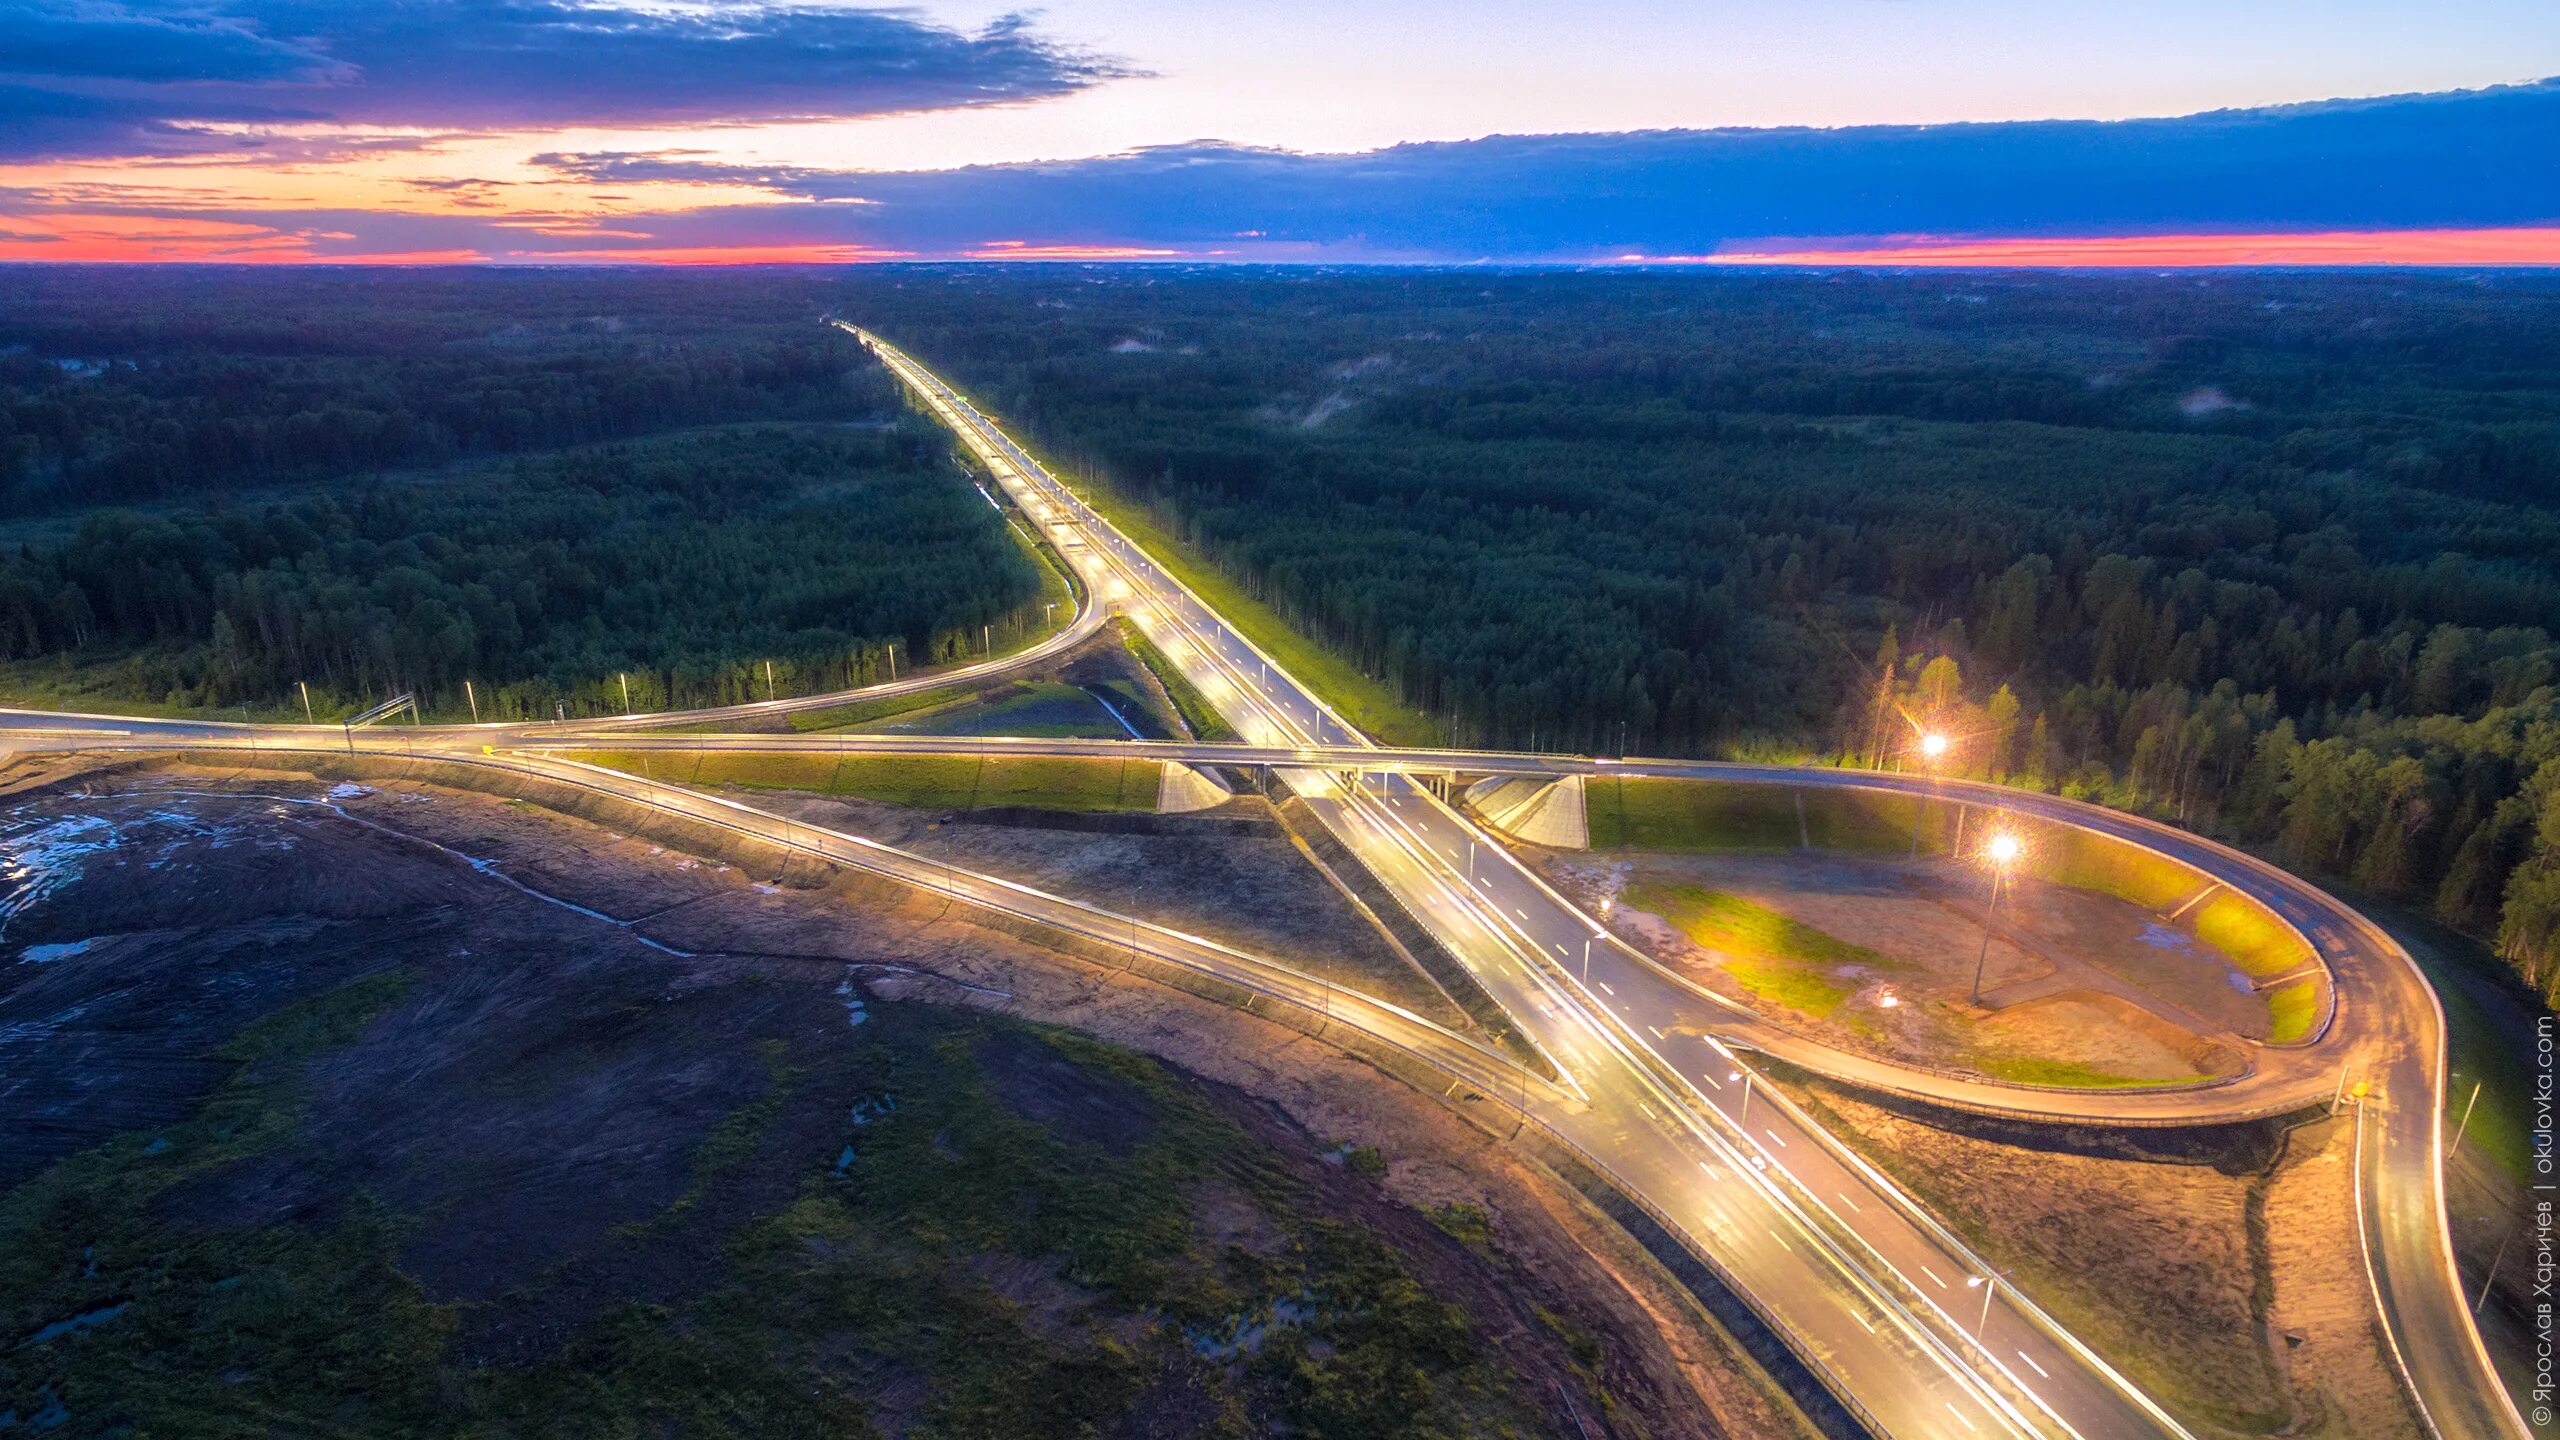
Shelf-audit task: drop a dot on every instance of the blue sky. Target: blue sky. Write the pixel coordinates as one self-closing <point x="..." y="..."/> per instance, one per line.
<point x="709" y="129"/>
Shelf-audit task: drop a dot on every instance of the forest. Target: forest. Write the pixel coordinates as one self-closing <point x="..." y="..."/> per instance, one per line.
<point x="236" y="487"/>
<point x="2273" y="555"/>
<point x="124" y="385"/>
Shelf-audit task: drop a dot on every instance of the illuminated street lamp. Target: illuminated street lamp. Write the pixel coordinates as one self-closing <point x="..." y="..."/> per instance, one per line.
<point x="2002" y="851"/>
<point x="1933" y="751"/>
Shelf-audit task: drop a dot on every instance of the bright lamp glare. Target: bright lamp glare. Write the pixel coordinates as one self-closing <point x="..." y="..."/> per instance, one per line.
<point x="1933" y="744"/>
<point x="2002" y="848"/>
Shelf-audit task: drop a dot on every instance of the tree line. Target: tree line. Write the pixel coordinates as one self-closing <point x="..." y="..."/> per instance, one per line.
<point x="126" y="384"/>
<point x="706" y="568"/>
<point x="2275" y="556"/>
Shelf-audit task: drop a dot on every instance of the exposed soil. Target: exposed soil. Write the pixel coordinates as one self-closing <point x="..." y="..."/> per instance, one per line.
<point x="542" y="1088"/>
<point x="1252" y="890"/>
<point x="2207" y="1269"/>
<point x="2069" y="978"/>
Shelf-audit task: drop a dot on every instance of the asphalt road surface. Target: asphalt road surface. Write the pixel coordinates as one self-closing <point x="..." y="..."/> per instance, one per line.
<point x="1915" y="1333"/>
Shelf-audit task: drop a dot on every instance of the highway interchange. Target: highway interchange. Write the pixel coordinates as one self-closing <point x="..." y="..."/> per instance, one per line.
<point x="1653" y="1083"/>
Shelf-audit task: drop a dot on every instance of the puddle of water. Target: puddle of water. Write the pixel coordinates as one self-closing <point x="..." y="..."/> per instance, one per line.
<point x="39" y="857"/>
<point x="60" y="1328"/>
<point x="2161" y="937"/>
<point x="856" y="1010"/>
<point x="49" y="1413"/>
<point x="47" y="954"/>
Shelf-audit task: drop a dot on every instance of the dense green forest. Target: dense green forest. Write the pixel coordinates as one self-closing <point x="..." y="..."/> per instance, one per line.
<point x="686" y="565"/>
<point x="2276" y="555"/>
<point x="232" y="484"/>
<point x="138" y="384"/>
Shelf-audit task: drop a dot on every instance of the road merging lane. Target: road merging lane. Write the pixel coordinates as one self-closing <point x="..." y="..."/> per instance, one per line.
<point x="1914" y="1332"/>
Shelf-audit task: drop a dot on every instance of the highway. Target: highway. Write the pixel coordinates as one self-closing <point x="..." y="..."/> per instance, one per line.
<point x="1880" y="1301"/>
<point x="1868" y="1293"/>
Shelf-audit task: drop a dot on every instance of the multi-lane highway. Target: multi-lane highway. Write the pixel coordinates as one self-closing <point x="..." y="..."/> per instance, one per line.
<point x="1913" y="1331"/>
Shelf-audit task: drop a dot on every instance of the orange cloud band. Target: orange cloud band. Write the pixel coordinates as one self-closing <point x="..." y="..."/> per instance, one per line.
<point x="2523" y="245"/>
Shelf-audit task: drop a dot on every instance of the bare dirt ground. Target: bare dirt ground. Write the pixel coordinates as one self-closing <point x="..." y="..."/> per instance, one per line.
<point x="579" y="1017"/>
<point x="1241" y="884"/>
<point x="2210" y="1275"/>
<point x="2069" y="978"/>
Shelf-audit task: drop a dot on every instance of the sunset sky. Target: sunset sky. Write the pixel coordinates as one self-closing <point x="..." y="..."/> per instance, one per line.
<point x="1746" y="131"/>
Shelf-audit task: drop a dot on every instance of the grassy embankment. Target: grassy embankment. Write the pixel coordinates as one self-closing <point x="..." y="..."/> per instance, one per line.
<point x="863" y="712"/>
<point x="926" y="782"/>
<point x="1202" y="717"/>
<point x="1707" y="816"/>
<point x="1775" y="956"/>
<point x="1365" y="702"/>
<point x="1697" y="816"/>
<point x="2246" y="933"/>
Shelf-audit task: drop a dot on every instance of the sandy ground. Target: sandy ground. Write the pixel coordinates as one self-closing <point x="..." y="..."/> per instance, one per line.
<point x="2068" y="976"/>
<point x="208" y="910"/>
<point x="2214" y="1277"/>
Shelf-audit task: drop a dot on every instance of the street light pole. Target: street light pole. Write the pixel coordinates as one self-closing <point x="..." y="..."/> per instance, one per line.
<point x="1990" y="912"/>
<point x="2002" y="850"/>
<point x="2466" y="1117"/>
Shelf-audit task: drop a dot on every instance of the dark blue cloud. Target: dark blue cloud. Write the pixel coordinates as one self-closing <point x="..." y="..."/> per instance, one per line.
<point x="2482" y="158"/>
<point x="490" y="64"/>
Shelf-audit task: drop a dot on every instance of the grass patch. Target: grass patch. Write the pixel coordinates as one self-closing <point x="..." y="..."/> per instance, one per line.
<point x="2256" y="942"/>
<point x="2247" y="933"/>
<point x="1194" y="708"/>
<point x="2060" y="1074"/>
<point x="1776" y="956"/>
<point x="1363" y="701"/>
<point x="925" y="782"/>
<point x="2070" y="856"/>
<point x="2292" y="1009"/>
<point x="1702" y="816"/>
<point x="863" y="712"/>
<point x="1068" y="713"/>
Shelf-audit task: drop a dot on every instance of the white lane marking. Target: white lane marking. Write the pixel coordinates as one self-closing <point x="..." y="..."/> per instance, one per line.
<point x="1952" y="1410"/>
<point x="1710" y="1079"/>
<point x="1603" y="984"/>
<point x="2031" y="1363"/>
<point x="1852" y="1204"/>
<point x="1933" y="1277"/>
<point x="1774" y="1135"/>
<point x="1782" y="1242"/>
